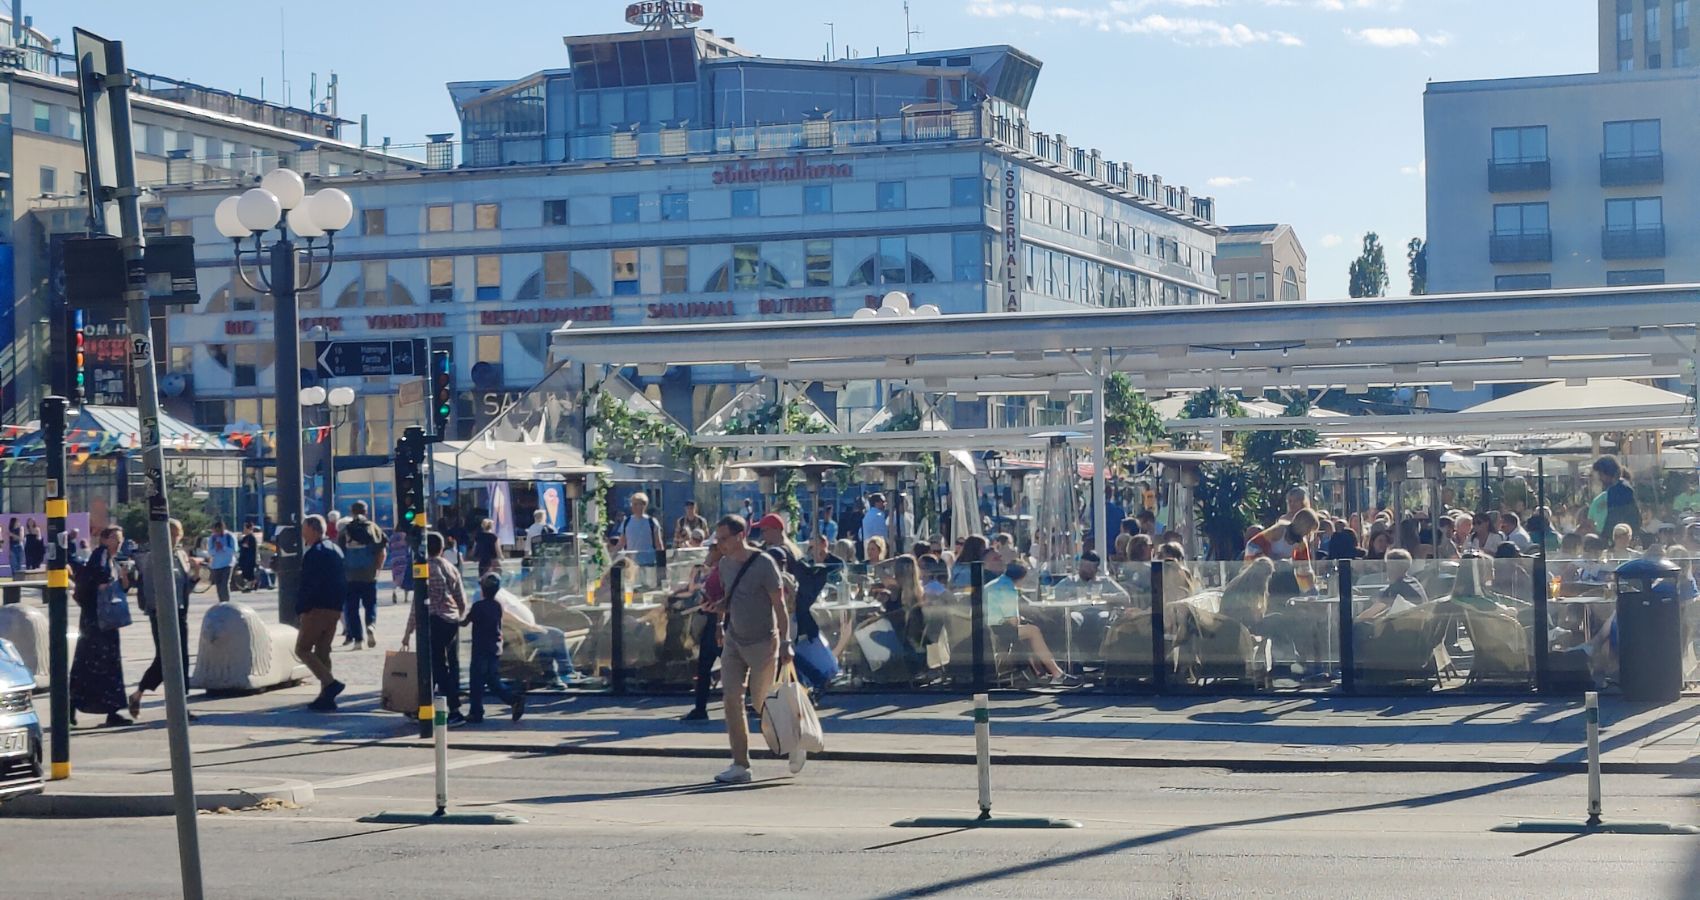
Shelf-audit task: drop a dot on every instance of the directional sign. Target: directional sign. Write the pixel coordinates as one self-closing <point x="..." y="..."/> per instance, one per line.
<point x="343" y="359"/>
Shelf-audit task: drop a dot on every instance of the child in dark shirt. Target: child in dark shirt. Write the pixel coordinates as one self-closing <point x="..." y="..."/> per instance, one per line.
<point x="486" y="618"/>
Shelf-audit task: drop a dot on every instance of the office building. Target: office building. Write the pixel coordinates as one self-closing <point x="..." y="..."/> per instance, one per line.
<point x="668" y="174"/>
<point x="1640" y="35"/>
<point x="1259" y="263"/>
<point x="1562" y="181"/>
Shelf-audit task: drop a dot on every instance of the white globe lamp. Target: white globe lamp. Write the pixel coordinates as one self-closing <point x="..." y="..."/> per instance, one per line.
<point x="228" y="223"/>
<point x="301" y="222"/>
<point x="286" y="185"/>
<point x="332" y="209"/>
<point x="258" y="210"/>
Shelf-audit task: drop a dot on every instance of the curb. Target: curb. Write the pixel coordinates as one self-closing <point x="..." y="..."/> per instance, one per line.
<point x="1233" y="764"/>
<point x="71" y="805"/>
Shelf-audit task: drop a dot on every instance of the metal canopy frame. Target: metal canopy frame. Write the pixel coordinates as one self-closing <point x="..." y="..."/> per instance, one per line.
<point x="1623" y="332"/>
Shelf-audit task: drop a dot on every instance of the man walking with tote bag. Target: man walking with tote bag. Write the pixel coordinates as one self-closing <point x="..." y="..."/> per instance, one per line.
<point x="758" y="635"/>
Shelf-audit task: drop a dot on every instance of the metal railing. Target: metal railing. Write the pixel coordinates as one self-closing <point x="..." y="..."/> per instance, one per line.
<point x="1526" y="175"/>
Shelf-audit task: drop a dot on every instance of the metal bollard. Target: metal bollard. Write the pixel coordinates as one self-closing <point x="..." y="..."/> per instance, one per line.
<point x="1591" y="703"/>
<point x="983" y="751"/>
<point x="440" y="719"/>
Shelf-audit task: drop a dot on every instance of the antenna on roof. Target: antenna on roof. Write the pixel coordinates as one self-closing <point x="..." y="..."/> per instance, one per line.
<point x="831" y="40"/>
<point x="908" y="31"/>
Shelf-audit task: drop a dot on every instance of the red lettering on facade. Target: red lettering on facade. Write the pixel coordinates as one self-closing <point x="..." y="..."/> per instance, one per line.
<point x="780" y="170"/>
<point x="548" y="316"/>
<point x="702" y="309"/>
<point x="772" y="306"/>
<point x="407" y="321"/>
<point x="241" y="326"/>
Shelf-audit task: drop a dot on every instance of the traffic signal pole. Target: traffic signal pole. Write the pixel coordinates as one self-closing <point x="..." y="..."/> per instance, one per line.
<point x="410" y="513"/>
<point x="161" y="584"/>
<point x="58" y="587"/>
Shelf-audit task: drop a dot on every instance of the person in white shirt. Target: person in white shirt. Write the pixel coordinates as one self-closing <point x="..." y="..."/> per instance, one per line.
<point x="874" y="523"/>
<point x="1511" y="525"/>
<point x="538" y="528"/>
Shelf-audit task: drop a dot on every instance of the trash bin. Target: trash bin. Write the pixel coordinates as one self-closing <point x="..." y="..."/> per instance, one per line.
<point x="1649" y="631"/>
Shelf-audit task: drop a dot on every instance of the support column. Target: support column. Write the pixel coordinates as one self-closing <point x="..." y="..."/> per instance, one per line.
<point x="1100" y="462"/>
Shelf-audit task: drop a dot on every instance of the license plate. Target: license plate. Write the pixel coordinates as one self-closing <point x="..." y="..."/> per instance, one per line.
<point x="14" y="743"/>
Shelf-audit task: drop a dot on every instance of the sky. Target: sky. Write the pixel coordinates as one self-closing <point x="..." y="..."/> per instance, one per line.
<point x="1307" y="112"/>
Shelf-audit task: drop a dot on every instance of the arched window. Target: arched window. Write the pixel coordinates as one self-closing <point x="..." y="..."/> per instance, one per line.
<point x="1290" y="284"/>
<point x="885" y="269"/>
<point x="555" y="281"/>
<point x="746" y="272"/>
<point x="237" y="297"/>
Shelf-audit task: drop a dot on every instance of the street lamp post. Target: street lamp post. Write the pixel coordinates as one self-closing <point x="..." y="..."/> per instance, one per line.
<point x="281" y="202"/>
<point x="335" y="402"/>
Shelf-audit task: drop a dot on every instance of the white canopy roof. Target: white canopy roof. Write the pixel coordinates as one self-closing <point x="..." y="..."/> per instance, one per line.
<point x="492" y="460"/>
<point x="1596" y="395"/>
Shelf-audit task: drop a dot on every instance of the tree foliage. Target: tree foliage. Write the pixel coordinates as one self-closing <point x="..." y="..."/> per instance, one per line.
<point x="1369" y="271"/>
<point x="1274" y="475"/>
<point x="1130" y="421"/>
<point x="1227" y="500"/>
<point x="1416" y="255"/>
<point x="196" y="515"/>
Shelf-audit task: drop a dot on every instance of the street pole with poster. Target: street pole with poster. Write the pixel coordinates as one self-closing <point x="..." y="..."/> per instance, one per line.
<point x="104" y="84"/>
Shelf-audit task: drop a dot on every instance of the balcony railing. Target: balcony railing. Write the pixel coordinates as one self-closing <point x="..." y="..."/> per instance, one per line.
<point x="1535" y="246"/>
<point x="1645" y="242"/>
<point x="1642" y="168"/>
<point x="1529" y="175"/>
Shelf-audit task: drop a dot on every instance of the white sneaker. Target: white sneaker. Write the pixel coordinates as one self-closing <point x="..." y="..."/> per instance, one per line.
<point x="799" y="756"/>
<point x="371" y="636"/>
<point x="734" y="774"/>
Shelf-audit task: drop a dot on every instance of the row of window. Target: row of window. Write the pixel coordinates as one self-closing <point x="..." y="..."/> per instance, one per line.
<point x="1531" y="219"/>
<point x="623" y="209"/>
<point x="1622" y="140"/>
<point x="1050" y="211"/>
<point x="1254" y="286"/>
<point x="1543" y="280"/>
<point x="1652" y="31"/>
<point x="1065" y="276"/>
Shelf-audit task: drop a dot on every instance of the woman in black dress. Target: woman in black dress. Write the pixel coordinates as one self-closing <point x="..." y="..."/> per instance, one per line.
<point x="97" y="668"/>
<point x="35" y="549"/>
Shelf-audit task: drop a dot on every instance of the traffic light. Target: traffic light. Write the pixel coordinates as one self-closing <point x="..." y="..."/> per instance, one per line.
<point x="442" y="392"/>
<point x="79" y="358"/>
<point x="410" y="479"/>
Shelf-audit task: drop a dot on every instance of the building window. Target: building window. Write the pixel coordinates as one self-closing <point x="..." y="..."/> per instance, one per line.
<point x="1679" y="15"/>
<point x="487" y="216"/>
<point x="439" y="218"/>
<point x="1635" y="228"/>
<point x="1290" y="284"/>
<point x="554" y="212"/>
<point x="1653" y="27"/>
<point x="1242" y="286"/>
<point x="560" y="279"/>
<point x="966" y="251"/>
<point x="1260" y="286"/>
<point x="441" y="275"/>
<point x="965" y="192"/>
<point x="892" y="195"/>
<point x="894" y="260"/>
<point x="746" y="204"/>
<point x="43" y="118"/>
<point x="1626" y="277"/>
<point x="1225" y="286"/>
<point x="817" y="264"/>
<point x="625" y="273"/>
<point x="1522" y="282"/>
<point x="1520" y="145"/>
<point x="675" y="207"/>
<point x="49" y="180"/>
<point x="1521" y="233"/>
<point x="375" y="283"/>
<point x="373" y="222"/>
<point x="489" y="349"/>
<point x="1632" y="139"/>
<point x="817" y="198"/>
<point x="623" y="209"/>
<point x="675" y="270"/>
<point x="488" y="277"/>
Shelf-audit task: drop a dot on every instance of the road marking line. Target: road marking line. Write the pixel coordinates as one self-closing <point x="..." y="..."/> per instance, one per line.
<point x="481" y="759"/>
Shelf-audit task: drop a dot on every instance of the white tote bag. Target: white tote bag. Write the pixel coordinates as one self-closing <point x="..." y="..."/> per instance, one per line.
<point x="788" y="720"/>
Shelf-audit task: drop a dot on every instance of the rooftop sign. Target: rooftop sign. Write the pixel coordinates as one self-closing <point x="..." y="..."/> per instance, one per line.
<point x="658" y="14"/>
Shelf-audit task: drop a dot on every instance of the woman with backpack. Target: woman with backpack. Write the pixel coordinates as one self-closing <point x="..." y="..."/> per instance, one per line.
<point x="97" y="666"/>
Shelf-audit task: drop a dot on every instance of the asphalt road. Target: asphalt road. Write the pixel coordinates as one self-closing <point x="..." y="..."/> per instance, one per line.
<point x="656" y="828"/>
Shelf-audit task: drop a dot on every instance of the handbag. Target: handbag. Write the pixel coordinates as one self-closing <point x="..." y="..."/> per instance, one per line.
<point x="938" y="652"/>
<point x="112" y="607"/>
<point x="788" y="719"/>
<point x="401" y="682"/>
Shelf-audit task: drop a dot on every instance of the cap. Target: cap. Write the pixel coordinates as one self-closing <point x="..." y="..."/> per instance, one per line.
<point x="771" y="520"/>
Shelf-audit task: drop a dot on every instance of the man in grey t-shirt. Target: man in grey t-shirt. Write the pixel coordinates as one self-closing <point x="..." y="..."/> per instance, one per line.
<point x="758" y="635"/>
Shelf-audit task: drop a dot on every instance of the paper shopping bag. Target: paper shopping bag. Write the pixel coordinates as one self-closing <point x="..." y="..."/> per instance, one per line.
<point x="401" y="682"/>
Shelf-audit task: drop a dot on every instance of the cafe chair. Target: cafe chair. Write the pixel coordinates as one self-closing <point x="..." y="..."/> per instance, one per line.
<point x="1501" y="646"/>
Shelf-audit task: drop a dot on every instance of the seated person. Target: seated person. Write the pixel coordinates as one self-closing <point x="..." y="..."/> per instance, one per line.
<point x="1246" y="597"/>
<point x="545" y="645"/>
<point x="1471" y="587"/>
<point x="1402" y="591"/>
<point x="1511" y="575"/>
<point x="1003" y="607"/>
<point x="1088" y="584"/>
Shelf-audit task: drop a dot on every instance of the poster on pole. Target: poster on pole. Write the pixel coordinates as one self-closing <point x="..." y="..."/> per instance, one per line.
<point x="552" y="499"/>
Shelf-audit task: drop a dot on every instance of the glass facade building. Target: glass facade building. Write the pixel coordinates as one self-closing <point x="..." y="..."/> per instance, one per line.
<point x="669" y="176"/>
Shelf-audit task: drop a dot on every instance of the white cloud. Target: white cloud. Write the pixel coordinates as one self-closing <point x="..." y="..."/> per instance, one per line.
<point x="1228" y="181"/>
<point x="1388" y="38"/>
<point x="1125" y="16"/>
<point x="1332" y="240"/>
